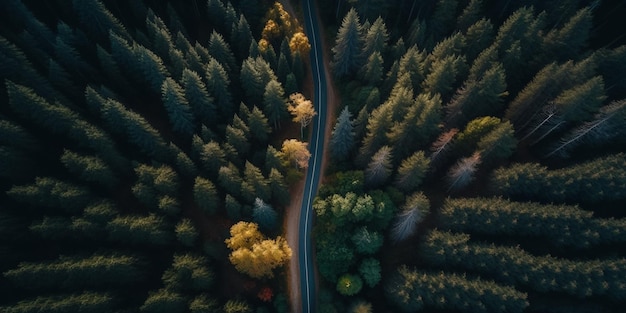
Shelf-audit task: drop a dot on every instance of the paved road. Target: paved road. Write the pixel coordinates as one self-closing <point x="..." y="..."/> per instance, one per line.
<point x="316" y="146"/>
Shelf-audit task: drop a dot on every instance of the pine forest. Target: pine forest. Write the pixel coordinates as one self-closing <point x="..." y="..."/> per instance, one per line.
<point x="153" y="153"/>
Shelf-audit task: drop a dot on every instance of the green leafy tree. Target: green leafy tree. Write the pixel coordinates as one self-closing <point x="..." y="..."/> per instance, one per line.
<point x="349" y="285"/>
<point x="366" y="241"/>
<point x="348" y="45"/>
<point x="370" y="271"/>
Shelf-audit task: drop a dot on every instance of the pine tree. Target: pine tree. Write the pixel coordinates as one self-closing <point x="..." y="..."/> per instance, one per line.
<point x="280" y="193"/>
<point x="264" y="215"/>
<point x="241" y="37"/>
<point x="567" y="42"/>
<point x="96" y="19"/>
<point x="52" y="193"/>
<point x="205" y="195"/>
<point x="372" y="71"/>
<point x="140" y="230"/>
<point x="217" y="82"/>
<point x="177" y="107"/>
<point x="230" y="179"/>
<point x="212" y="157"/>
<point x="481" y="34"/>
<point x="348" y="45"/>
<point x="274" y="103"/>
<point x="413" y="212"/>
<point x="256" y="73"/>
<point x="411" y="172"/>
<point x="186" y="233"/>
<point x="164" y="300"/>
<point x="498" y="144"/>
<point x="342" y="139"/>
<point x="444" y="75"/>
<point x="370" y="270"/>
<point x="462" y="173"/>
<point x="253" y="176"/>
<point x="84" y="302"/>
<point x="379" y="168"/>
<point x="220" y="50"/>
<point x="258" y="125"/>
<point x="470" y="15"/>
<point x="197" y="96"/>
<point x="376" y="38"/>
<point x="377" y="125"/>
<point x="89" y="169"/>
<point x="150" y="66"/>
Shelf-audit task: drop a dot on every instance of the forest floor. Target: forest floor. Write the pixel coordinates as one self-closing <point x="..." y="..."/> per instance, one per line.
<point x="292" y="216"/>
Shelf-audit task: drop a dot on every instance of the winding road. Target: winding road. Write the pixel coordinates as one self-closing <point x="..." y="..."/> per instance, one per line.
<point x="316" y="147"/>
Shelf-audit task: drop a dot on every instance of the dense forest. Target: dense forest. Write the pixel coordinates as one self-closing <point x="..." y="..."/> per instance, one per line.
<point x="133" y="135"/>
<point x="478" y="158"/>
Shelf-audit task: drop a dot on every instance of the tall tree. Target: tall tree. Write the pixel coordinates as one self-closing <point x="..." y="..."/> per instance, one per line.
<point x="342" y="139"/>
<point x="411" y="172"/>
<point x="89" y="169"/>
<point x="264" y="215"/>
<point x="295" y="152"/>
<point x="274" y="103"/>
<point x="217" y="85"/>
<point x="379" y="168"/>
<point x="177" y="107"/>
<point x="462" y="173"/>
<point x="376" y="38"/>
<point x="205" y="195"/>
<point x="348" y="45"/>
<point x="413" y="212"/>
<point x="197" y="95"/>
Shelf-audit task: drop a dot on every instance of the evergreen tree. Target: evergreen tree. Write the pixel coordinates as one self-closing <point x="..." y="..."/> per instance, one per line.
<point x="366" y="241"/>
<point x="220" y="50"/>
<point x="256" y="73"/>
<point x="177" y="107"/>
<point x="186" y="233"/>
<point x="217" y="85"/>
<point x="462" y="173"/>
<point x="348" y="45"/>
<point x="442" y="19"/>
<point x="280" y="194"/>
<point x="372" y="71"/>
<point x="253" y="176"/>
<point x="376" y="38"/>
<point x="258" y="125"/>
<point x="84" y="302"/>
<point x="370" y="271"/>
<point x="89" y="169"/>
<point x="342" y="139"/>
<point x="52" y="193"/>
<point x="379" y="168"/>
<point x="567" y="42"/>
<point x="197" y="96"/>
<point x="411" y="172"/>
<point x="188" y="273"/>
<point x="264" y="215"/>
<point x="274" y="103"/>
<point x="481" y="34"/>
<point x="96" y="19"/>
<point x="150" y="66"/>
<point x="230" y="179"/>
<point x="205" y="195"/>
<point x="241" y="37"/>
<point x="470" y="15"/>
<point x="413" y="212"/>
<point x="164" y="300"/>
<point x="212" y="157"/>
<point x="377" y="125"/>
<point x="499" y="144"/>
<point x="140" y="230"/>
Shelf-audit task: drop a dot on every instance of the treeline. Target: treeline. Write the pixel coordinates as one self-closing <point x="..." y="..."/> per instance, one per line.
<point x="132" y="136"/>
<point x="476" y="98"/>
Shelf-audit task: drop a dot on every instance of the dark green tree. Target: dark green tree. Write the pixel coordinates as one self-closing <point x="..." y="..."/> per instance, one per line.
<point x="188" y="273"/>
<point x="164" y="300"/>
<point x="177" y="107"/>
<point x="140" y="230"/>
<point x="367" y="241"/>
<point x="220" y="50"/>
<point x="197" y="96"/>
<point x="205" y="195"/>
<point x="186" y="232"/>
<point x="348" y="49"/>
<point x="274" y="103"/>
<point x="264" y="215"/>
<point x="411" y="172"/>
<point x="342" y="139"/>
<point x="217" y="83"/>
<point x="52" y="193"/>
<point x="89" y="169"/>
<point x="370" y="271"/>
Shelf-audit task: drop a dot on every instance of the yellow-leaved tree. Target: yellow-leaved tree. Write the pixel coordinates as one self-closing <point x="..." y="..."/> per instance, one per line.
<point x="295" y="152"/>
<point x="253" y="254"/>
<point x="302" y="110"/>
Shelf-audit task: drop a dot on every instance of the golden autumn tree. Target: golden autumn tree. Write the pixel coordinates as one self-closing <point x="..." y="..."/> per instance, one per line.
<point x="299" y="42"/>
<point x="302" y="110"/>
<point x="295" y="152"/>
<point x="253" y="254"/>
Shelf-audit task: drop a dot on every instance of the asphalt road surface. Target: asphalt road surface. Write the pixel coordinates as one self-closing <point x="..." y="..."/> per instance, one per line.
<point x="316" y="146"/>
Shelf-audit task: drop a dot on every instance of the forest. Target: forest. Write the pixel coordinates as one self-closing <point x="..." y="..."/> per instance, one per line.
<point x="149" y="149"/>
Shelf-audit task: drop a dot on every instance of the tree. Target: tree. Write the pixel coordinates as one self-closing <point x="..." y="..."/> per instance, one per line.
<point x="264" y="215"/>
<point x="349" y="285"/>
<point x="296" y="153"/>
<point x="217" y="82"/>
<point x="140" y="230"/>
<point x="177" y="107"/>
<point x="258" y="125"/>
<point x="99" y="21"/>
<point x="370" y="271"/>
<point x="256" y="73"/>
<point x="481" y="35"/>
<point x="205" y="195"/>
<point x="376" y="38"/>
<point x="203" y="304"/>
<point x="188" y="272"/>
<point x="220" y="50"/>
<point x="302" y="110"/>
<point x="236" y="306"/>
<point x="186" y="232"/>
<point x="198" y="97"/>
<point x="89" y="169"/>
<point x="212" y="157"/>
<point x="241" y="37"/>
<point x="342" y="139"/>
<point x="442" y="19"/>
<point x="470" y="15"/>
<point x="229" y="178"/>
<point x="164" y="300"/>
<point x="299" y="42"/>
<point x="411" y="172"/>
<point x="348" y="45"/>
<point x="462" y="173"/>
<point x="84" y="302"/>
<point x="379" y="168"/>
<point x="372" y="71"/>
<point x="366" y="241"/>
<point x="413" y="212"/>
<point x="566" y="43"/>
<point x="498" y="144"/>
<point x="253" y="254"/>
<point x="274" y="104"/>
<point x="466" y="142"/>
<point x="53" y="194"/>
